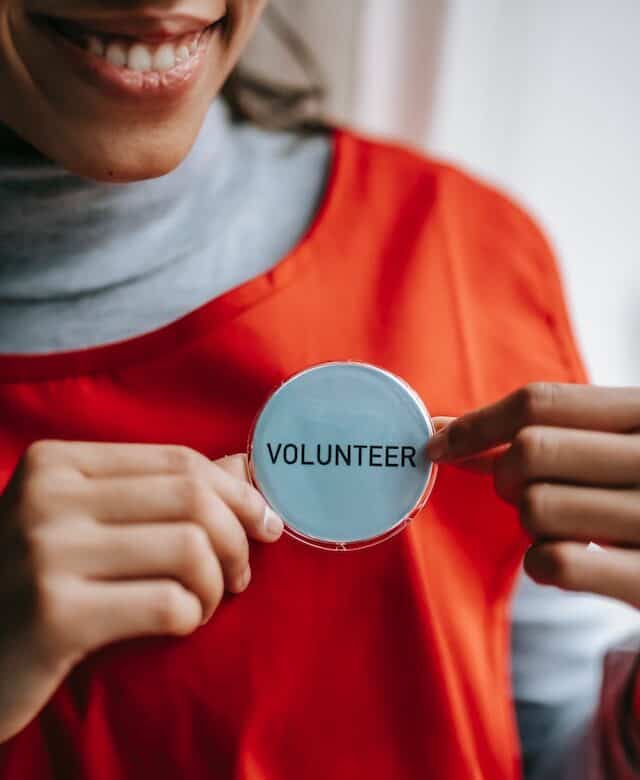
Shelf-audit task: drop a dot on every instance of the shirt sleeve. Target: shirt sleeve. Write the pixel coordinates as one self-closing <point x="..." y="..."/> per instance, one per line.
<point x="608" y="748"/>
<point x="570" y="686"/>
<point x="617" y="723"/>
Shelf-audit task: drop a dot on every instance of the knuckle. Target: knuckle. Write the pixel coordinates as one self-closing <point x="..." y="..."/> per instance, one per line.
<point x="533" y="509"/>
<point x="184" y="460"/>
<point x="41" y="454"/>
<point x="167" y="608"/>
<point x="560" y="566"/>
<point x="527" y="449"/>
<point x="534" y="399"/>
<point x="194" y="546"/>
<point x="35" y="496"/>
<point x="196" y="495"/>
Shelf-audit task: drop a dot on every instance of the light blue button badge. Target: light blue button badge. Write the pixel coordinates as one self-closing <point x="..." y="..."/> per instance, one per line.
<point x="338" y="451"/>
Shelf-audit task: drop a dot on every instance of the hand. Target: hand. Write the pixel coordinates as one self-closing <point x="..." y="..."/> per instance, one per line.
<point x="102" y="542"/>
<point x="568" y="458"/>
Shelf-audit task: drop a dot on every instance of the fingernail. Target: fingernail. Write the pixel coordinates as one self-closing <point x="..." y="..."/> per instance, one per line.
<point x="437" y="447"/>
<point x="273" y="525"/>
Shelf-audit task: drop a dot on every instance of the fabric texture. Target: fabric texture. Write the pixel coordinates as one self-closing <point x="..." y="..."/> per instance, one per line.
<point x="83" y="262"/>
<point x="392" y="662"/>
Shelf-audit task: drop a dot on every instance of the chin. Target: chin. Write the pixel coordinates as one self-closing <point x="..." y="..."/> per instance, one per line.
<point x="123" y="159"/>
<point x="123" y="170"/>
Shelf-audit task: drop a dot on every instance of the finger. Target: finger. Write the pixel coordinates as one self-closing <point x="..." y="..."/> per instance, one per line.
<point x="256" y="516"/>
<point x="615" y="410"/>
<point x="478" y="464"/>
<point x="105" y="460"/>
<point x="194" y="497"/>
<point x="441" y="422"/>
<point x="176" y="500"/>
<point x="181" y="551"/>
<point x="563" y="455"/>
<point x="571" y="566"/>
<point x="566" y="512"/>
<point x="235" y="465"/>
<point x="253" y="511"/>
<point x="110" y="612"/>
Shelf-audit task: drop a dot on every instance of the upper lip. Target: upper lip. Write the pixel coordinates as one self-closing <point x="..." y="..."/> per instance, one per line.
<point x="144" y="27"/>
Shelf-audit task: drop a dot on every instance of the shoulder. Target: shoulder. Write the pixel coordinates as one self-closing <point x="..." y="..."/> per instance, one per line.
<point x="486" y="233"/>
<point x="459" y="201"/>
<point x="482" y="249"/>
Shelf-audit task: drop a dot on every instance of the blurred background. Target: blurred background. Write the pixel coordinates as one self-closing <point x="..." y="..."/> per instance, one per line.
<point x="538" y="96"/>
<point x="541" y="98"/>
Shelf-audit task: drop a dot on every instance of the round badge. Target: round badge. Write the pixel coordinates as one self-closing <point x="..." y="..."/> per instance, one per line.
<point x="339" y="452"/>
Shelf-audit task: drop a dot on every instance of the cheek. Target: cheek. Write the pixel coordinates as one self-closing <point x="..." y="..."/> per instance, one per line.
<point x="243" y="17"/>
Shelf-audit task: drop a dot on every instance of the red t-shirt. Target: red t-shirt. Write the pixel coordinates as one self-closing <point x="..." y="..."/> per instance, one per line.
<point x="391" y="662"/>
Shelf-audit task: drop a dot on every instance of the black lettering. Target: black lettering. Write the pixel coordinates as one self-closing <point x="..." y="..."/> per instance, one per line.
<point x="328" y="460"/>
<point x="375" y="451"/>
<point x="389" y="453"/>
<point x="288" y="459"/>
<point x="276" y="455"/>
<point x="346" y="456"/>
<point x="379" y="455"/>
<point x="409" y="453"/>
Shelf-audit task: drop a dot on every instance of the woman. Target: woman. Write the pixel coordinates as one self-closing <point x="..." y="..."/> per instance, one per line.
<point x="143" y="325"/>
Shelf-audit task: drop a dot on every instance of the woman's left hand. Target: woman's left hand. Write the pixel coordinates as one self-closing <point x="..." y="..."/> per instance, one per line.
<point x="568" y="458"/>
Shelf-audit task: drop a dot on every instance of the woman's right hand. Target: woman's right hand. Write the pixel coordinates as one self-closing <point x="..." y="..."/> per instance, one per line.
<point x="103" y="542"/>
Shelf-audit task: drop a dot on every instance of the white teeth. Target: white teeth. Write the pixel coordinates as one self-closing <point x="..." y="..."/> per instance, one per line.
<point x="139" y="58"/>
<point x="96" y="46"/>
<point x="182" y="53"/>
<point x="116" y="54"/>
<point x="164" y="58"/>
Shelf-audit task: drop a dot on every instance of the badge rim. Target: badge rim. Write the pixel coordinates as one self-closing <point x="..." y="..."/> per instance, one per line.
<point x="359" y="544"/>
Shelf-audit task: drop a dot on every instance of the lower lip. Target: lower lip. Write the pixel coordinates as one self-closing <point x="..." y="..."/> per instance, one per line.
<point x="125" y="83"/>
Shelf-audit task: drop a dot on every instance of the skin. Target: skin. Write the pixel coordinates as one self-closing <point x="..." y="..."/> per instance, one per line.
<point x="86" y="528"/>
<point x="89" y="527"/>
<point x="567" y="457"/>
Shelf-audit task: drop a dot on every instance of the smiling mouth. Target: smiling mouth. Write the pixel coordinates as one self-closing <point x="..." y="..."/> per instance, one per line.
<point x="154" y="52"/>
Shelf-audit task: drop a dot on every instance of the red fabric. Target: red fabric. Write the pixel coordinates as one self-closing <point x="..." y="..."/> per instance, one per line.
<point x="613" y="752"/>
<point x="386" y="663"/>
<point x="632" y="719"/>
